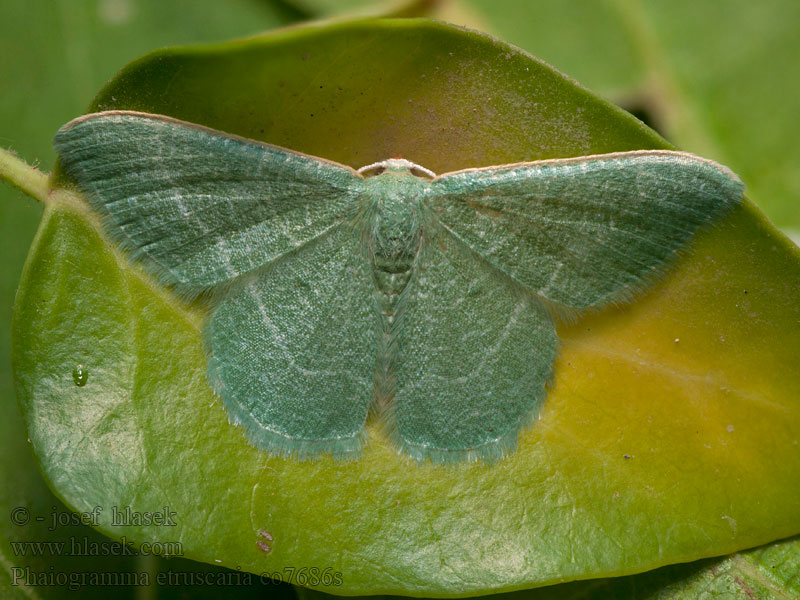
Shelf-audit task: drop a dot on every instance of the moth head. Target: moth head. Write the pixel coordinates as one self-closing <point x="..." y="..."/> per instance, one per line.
<point x="396" y="166"/>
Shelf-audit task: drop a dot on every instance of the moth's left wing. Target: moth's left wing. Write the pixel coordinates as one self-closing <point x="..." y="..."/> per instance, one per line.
<point x="198" y="206"/>
<point x="589" y="231"/>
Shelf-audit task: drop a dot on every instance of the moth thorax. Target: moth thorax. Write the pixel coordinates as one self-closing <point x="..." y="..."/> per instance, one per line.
<point x="396" y="248"/>
<point x="396" y="233"/>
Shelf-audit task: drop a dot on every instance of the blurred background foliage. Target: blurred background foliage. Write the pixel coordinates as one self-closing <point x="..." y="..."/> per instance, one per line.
<point x="717" y="79"/>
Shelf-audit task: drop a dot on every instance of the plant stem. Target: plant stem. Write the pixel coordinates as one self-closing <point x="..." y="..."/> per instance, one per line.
<point x="20" y="174"/>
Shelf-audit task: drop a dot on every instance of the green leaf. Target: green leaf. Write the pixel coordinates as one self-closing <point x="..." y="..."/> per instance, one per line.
<point x="768" y="573"/>
<point x="720" y="81"/>
<point x="670" y="432"/>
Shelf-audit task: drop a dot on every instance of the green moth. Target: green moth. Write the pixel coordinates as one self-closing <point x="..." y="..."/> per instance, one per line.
<point x="421" y="300"/>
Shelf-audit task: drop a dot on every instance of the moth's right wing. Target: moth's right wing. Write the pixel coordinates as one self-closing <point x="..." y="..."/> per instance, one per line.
<point x="201" y="207"/>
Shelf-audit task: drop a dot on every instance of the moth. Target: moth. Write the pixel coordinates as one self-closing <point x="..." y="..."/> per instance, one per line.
<point x="424" y="301"/>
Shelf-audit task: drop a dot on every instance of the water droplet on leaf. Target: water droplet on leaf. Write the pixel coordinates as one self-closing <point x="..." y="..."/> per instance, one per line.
<point x="80" y="375"/>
